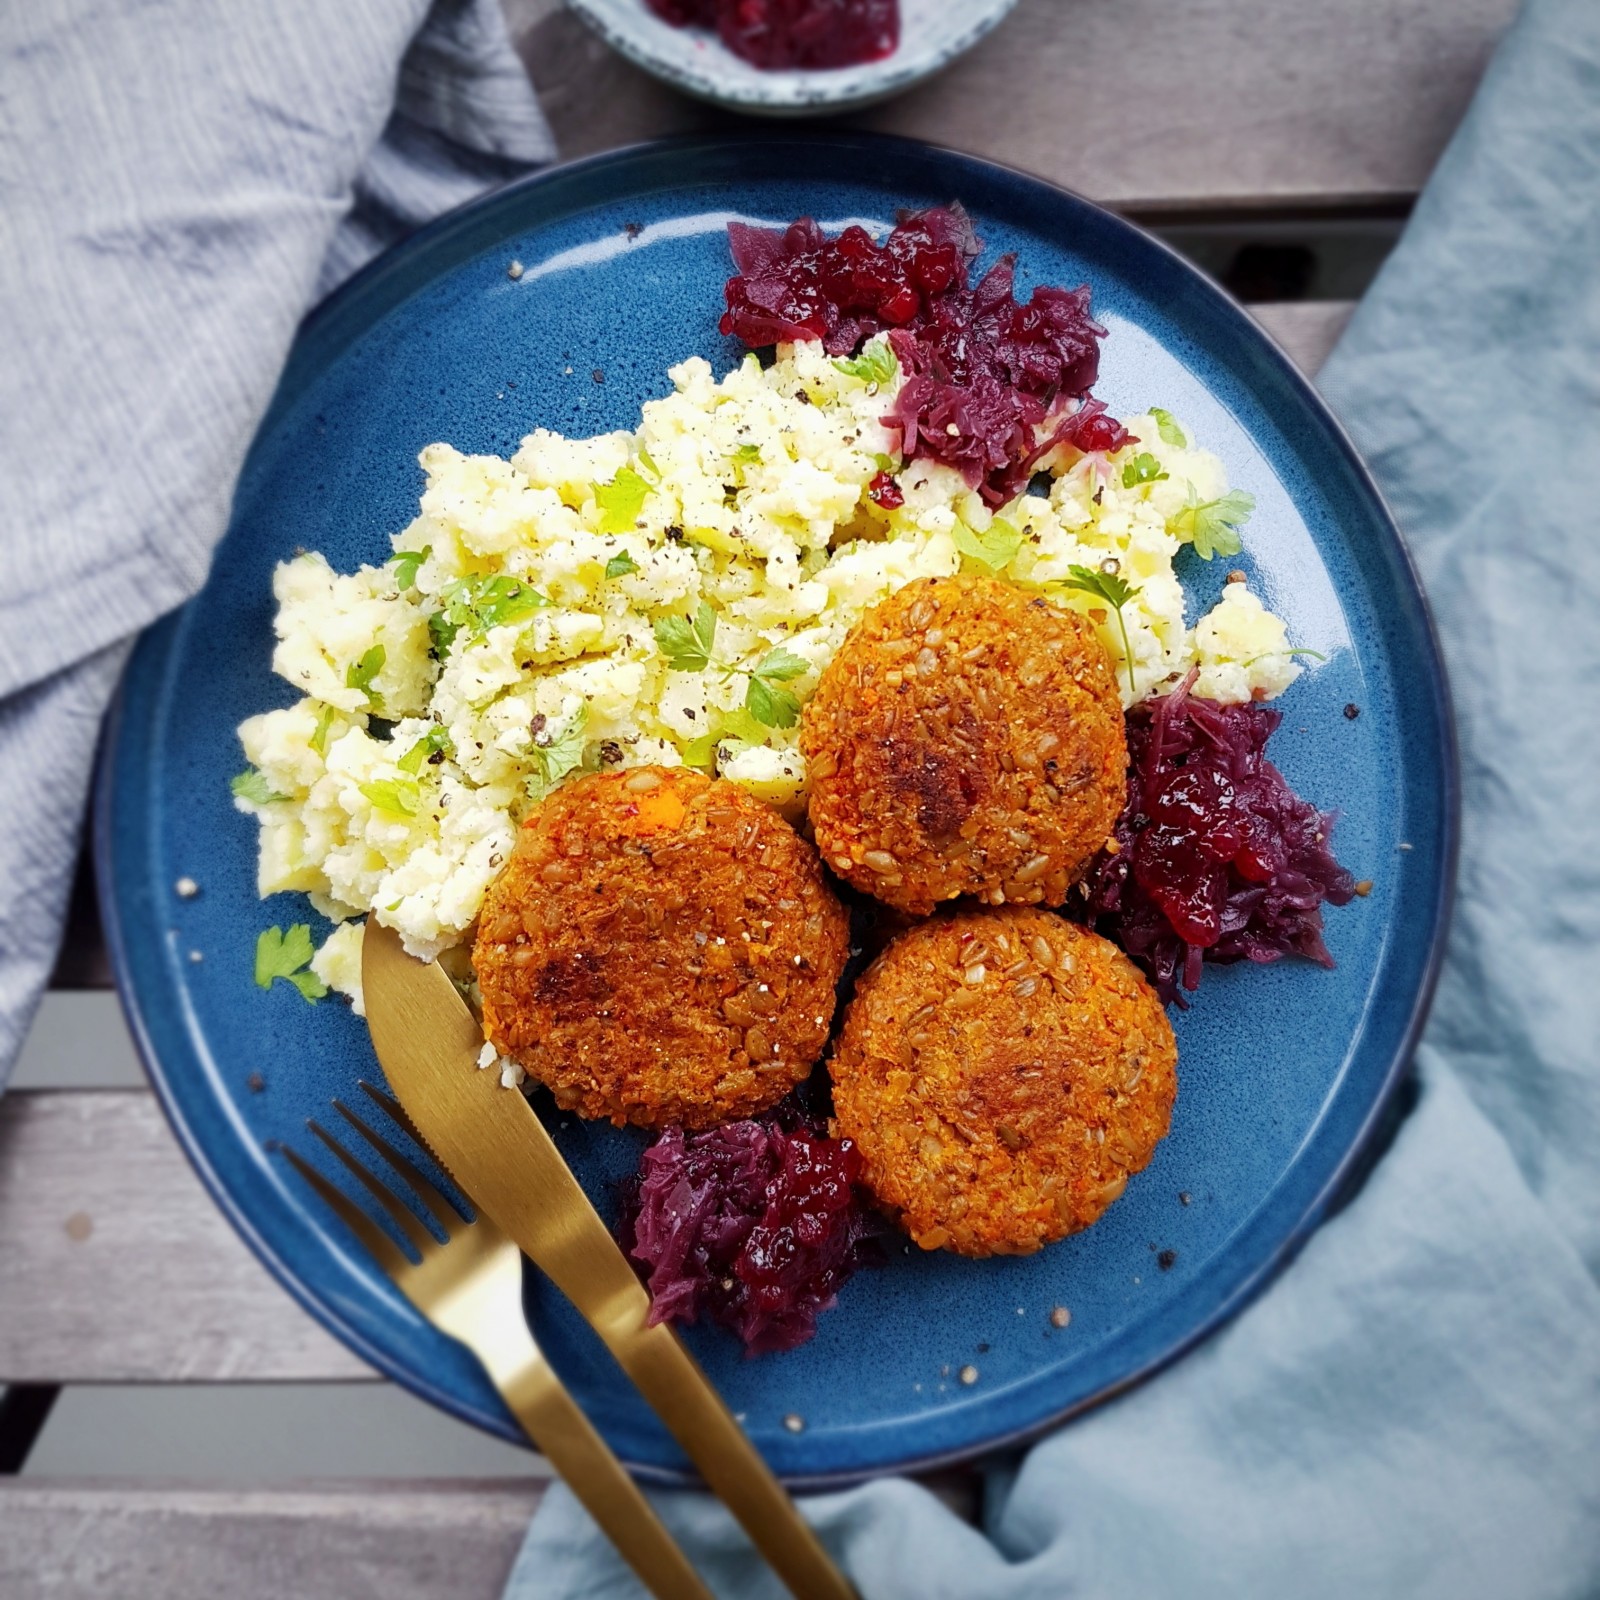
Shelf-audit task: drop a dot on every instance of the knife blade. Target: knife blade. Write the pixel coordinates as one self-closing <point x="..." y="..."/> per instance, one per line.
<point x="496" y="1149"/>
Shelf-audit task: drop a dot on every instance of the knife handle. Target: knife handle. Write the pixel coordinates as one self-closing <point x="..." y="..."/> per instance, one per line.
<point x="557" y="1425"/>
<point x="665" y="1373"/>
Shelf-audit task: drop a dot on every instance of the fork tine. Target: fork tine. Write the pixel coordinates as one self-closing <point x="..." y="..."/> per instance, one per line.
<point x="373" y="1237"/>
<point x="408" y="1222"/>
<point x="388" y="1102"/>
<point x="447" y="1214"/>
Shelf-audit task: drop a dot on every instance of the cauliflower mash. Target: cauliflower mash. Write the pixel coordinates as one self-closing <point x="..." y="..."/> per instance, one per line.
<point x="670" y="596"/>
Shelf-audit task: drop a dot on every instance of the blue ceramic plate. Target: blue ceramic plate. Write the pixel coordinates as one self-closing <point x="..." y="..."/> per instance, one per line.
<point x="1283" y="1069"/>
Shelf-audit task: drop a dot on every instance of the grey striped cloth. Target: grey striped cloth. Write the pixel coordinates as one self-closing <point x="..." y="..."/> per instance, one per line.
<point x="179" y="182"/>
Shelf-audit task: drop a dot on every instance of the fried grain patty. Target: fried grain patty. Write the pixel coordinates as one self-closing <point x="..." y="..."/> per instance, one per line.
<point x="1002" y="1072"/>
<point x="967" y="739"/>
<point x="661" y="948"/>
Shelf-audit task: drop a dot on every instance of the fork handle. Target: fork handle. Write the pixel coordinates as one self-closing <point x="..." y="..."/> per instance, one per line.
<point x="568" y="1440"/>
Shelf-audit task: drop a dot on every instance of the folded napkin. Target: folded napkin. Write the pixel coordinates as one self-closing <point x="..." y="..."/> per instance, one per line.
<point x="1414" y="1409"/>
<point x="179" y="182"/>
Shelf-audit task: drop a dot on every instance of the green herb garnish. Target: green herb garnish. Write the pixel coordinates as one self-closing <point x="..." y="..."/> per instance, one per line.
<point x="252" y="786"/>
<point x="1169" y="430"/>
<point x="701" y="751"/>
<point x="1213" y="525"/>
<point x="1144" y="468"/>
<point x="747" y="455"/>
<point x="405" y="564"/>
<point x="286" y="955"/>
<point x="687" y="644"/>
<point x="401" y="796"/>
<point x="359" y="674"/>
<point x="435" y="742"/>
<point x="563" y="754"/>
<point x="1116" y="592"/>
<point x="621" y="501"/>
<point x="875" y="364"/>
<point x="1296" y="650"/>
<point x="319" y="735"/>
<point x="620" y="565"/>
<point x="479" y="603"/>
<point x="770" y="704"/>
<point x="994" y="548"/>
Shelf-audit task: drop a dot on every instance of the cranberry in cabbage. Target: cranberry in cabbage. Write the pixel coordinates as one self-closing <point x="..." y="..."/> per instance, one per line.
<point x="1218" y="858"/>
<point x="754" y="1225"/>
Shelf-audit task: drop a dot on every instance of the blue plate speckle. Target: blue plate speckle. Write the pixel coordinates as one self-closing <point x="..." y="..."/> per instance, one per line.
<point x="1282" y="1069"/>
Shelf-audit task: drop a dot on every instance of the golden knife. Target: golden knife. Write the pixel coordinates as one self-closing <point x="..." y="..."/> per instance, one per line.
<point x="498" y="1152"/>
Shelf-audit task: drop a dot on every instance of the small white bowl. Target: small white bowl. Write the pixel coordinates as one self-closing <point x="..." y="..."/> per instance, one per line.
<point x="932" y="34"/>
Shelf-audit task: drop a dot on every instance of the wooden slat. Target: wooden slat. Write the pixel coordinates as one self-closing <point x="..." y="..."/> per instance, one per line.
<point x="1307" y="329"/>
<point x="1146" y="105"/>
<point x="116" y="1266"/>
<point x="391" y="1541"/>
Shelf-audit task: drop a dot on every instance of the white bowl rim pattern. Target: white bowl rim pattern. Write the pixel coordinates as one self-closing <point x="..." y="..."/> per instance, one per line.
<point x="933" y="34"/>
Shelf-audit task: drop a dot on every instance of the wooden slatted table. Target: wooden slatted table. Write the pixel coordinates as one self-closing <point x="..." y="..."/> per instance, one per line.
<point x="115" y="1265"/>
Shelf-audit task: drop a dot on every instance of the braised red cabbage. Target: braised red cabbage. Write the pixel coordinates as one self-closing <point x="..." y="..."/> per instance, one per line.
<point x="780" y="34"/>
<point x="1218" y="859"/>
<point x="754" y="1225"/>
<point x="990" y="385"/>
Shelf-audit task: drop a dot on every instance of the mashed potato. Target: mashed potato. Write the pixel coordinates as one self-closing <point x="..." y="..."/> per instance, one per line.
<point x="667" y="596"/>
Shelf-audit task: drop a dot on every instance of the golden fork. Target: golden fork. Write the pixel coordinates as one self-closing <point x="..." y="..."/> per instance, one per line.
<point x="470" y="1286"/>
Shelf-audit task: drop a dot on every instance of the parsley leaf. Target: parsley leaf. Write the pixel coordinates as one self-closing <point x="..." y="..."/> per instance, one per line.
<point x="1144" y="468"/>
<point x="479" y="603"/>
<point x="359" y="674"/>
<point x="319" y="736"/>
<point x="434" y="742"/>
<point x="1117" y="592"/>
<point x="401" y="796"/>
<point x="993" y="548"/>
<point x="252" y="786"/>
<point x="621" y="501"/>
<point x="747" y="455"/>
<point x="1213" y="525"/>
<point x="563" y="754"/>
<point x="875" y="364"/>
<point x="405" y="564"/>
<point x="780" y="665"/>
<point x="770" y="705"/>
<point x="1169" y="430"/>
<point x="619" y="566"/>
<point x="685" y="644"/>
<point x="285" y="955"/>
<point x="647" y="462"/>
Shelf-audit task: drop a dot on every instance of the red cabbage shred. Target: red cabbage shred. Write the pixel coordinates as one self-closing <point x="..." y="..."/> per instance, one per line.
<point x="782" y="34"/>
<point x="1218" y="859"/>
<point x="754" y="1225"/>
<point x="991" y="385"/>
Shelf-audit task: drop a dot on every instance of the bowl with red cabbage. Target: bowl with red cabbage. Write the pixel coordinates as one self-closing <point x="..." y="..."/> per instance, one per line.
<point x="791" y="58"/>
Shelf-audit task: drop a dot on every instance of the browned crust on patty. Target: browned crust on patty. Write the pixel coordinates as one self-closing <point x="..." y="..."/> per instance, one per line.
<point x="967" y="739"/>
<point x="1002" y="1072"/>
<point x="660" y="949"/>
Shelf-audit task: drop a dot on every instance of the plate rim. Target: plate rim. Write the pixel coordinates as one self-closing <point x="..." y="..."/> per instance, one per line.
<point x="1352" y="1162"/>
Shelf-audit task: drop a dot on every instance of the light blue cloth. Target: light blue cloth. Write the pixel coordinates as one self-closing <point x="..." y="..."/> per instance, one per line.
<point x="1414" y="1409"/>
<point x="179" y="180"/>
